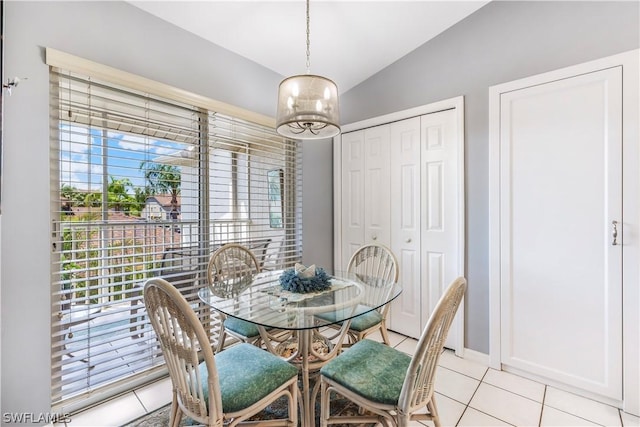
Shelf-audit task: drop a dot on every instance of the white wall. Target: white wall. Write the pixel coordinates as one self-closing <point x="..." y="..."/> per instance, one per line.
<point x="503" y="41"/>
<point x="122" y="36"/>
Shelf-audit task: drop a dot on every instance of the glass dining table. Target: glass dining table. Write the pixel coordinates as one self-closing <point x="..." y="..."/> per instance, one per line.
<point x="290" y="323"/>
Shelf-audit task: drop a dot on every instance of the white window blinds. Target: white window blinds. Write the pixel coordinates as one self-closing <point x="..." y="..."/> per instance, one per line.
<point x="142" y="187"/>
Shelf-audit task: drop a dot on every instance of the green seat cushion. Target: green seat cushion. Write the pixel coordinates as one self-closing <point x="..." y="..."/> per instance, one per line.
<point x="247" y="374"/>
<point x="329" y="317"/>
<point x="361" y="322"/>
<point x="365" y="320"/>
<point x="242" y="327"/>
<point x="371" y="369"/>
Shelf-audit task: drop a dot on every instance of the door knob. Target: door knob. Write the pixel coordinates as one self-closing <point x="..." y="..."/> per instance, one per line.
<point x="615" y="232"/>
<point x="409" y="240"/>
<point x="374" y="237"/>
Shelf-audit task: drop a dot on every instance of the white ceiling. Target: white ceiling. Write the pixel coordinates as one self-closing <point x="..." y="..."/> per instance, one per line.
<point x="350" y="40"/>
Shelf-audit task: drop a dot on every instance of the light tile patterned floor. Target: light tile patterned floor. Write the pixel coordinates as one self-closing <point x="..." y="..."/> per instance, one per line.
<point x="468" y="394"/>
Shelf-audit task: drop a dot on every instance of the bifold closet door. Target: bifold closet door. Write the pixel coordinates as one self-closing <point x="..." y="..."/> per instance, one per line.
<point x="406" y="311"/>
<point x="352" y="193"/>
<point x="366" y="189"/>
<point x="425" y="217"/>
<point x="440" y="209"/>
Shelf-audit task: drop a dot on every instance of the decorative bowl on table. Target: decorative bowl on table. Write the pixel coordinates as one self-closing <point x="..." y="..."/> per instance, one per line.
<point x="301" y="279"/>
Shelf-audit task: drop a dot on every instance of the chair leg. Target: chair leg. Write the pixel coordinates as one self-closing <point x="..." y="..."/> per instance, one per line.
<point x="433" y="410"/>
<point x="176" y="412"/>
<point x="384" y="333"/>
<point x="221" y="339"/>
<point x="325" y="403"/>
<point x="293" y="408"/>
<point x="222" y="334"/>
<point x="177" y="419"/>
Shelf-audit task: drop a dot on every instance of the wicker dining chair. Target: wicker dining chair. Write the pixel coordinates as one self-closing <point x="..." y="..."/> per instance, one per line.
<point x="230" y="271"/>
<point x="390" y="386"/>
<point x="376" y="265"/>
<point x="226" y="388"/>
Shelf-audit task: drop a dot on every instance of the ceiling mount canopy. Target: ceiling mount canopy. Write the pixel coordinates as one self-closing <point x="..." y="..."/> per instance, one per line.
<point x="308" y="104"/>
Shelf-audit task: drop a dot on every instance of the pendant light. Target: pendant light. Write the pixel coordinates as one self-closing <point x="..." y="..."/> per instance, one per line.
<point x="308" y="104"/>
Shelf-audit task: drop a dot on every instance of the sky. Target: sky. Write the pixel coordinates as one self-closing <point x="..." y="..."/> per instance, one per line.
<point x="82" y="154"/>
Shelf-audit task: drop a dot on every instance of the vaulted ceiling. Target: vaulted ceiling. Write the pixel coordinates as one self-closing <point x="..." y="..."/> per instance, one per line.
<point x="350" y="40"/>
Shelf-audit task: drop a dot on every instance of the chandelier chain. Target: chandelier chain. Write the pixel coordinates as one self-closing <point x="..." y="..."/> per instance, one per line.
<point x="308" y="42"/>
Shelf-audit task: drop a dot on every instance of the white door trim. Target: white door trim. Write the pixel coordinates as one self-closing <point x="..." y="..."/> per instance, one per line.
<point x="631" y="212"/>
<point x="456" y="103"/>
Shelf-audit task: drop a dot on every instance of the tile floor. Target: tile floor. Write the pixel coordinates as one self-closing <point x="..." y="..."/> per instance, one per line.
<point x="468" y="394"/>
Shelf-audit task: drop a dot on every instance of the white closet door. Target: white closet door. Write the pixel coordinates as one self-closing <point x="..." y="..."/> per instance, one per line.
<point x="377" y="212"/>
<point x="425" y="219"/>
<point x="401" y="183"/>
<point x="561" y="265"/>
<point x="440" y="237"/>
<point x="353" y="179"/>
<point x="366" y="213"/>
<point x="406" y="311"/>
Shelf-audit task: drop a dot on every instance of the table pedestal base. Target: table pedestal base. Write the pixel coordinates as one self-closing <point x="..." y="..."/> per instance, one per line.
<point x="309" y="358"/>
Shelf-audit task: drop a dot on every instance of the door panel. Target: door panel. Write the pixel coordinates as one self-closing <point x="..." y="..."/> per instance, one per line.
<point x="440" y="209"/>
<point x="561" y="189"/>
<point x="353" y="205"/>
<point x="411" y="190"/>
<point x="406" y="312"/>
<point x="377" y="187"/>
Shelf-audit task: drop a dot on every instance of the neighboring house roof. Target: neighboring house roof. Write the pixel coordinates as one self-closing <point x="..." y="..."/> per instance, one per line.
<point x="136" y="229"/>
<point x="112" y="215"/>
<point x="164" y="200"/>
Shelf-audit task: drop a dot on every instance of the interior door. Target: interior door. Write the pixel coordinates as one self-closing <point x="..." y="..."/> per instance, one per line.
<point x="560" y="213"/>
<point x="425" y="217"/>
<point x="377" y="211"/>
<point x="353" y="177"/>
<point x="440" y="208"/>
<point x="365" y="177"/>
<point x="406" y="311"/>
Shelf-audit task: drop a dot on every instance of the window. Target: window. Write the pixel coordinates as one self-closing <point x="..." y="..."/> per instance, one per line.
<point x="144" y="186"/>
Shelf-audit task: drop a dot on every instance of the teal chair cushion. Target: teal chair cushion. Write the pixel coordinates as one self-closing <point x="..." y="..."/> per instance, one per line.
<point x="360" y="323"/>
<point x="247" y="374"/>
<point x="242" y="327"/>
<point x="372" y="370"/>
<point x="366" y="320"/>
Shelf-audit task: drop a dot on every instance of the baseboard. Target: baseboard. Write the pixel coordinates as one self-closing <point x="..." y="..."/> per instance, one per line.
<point x="475" y="356"/>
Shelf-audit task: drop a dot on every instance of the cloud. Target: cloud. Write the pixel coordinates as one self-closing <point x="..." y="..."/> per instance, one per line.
<point x="142" y="144"/>
<point x="74" y="139"/>
<point x="164" y="150"/>
<point x="136" y="143"/>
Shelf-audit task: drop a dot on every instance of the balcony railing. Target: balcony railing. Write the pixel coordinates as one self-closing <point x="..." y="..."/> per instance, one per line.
<point x="100" y="333"/>
<point x="101" y="261"/>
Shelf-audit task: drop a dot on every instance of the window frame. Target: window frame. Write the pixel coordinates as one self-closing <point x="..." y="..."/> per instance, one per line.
<point x="205" y="239"/>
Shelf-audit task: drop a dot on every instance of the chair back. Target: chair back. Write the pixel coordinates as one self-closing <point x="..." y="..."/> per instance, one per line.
<point x="259" y="248"/>
<point x="180" y="266"/>
<point x="418" y="385"/>
<point x="377" y="266"/>
<point x="184" y="341"/>
<point x="231" y="269"/>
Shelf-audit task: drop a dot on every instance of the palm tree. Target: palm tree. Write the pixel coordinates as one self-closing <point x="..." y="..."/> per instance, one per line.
<point x="117" y="194"/>
<point x="164" y="179"/>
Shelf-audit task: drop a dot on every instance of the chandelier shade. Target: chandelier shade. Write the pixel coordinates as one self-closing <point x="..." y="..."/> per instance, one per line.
<point x="308" y="107"/>
<point x="308" y="104"/>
